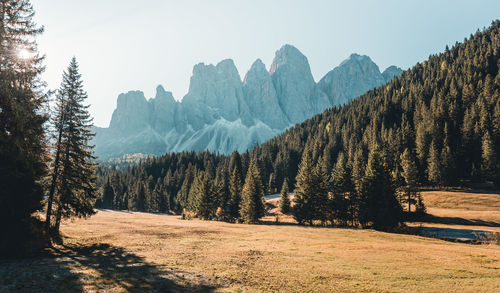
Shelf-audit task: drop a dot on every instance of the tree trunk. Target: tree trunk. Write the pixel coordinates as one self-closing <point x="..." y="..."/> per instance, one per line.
<point x="409" y="201"/>
<point x="52" y="190"/>
<point x="55" y="175"/>
<point x="58" y="219"/>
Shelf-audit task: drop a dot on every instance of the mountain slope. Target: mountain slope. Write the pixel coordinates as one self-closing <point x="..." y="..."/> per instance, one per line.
<point x="222" y="113"/>
<point x="445" y="111"/>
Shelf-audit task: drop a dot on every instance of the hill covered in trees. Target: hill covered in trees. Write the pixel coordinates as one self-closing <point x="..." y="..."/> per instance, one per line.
<point x="436" y="124"/>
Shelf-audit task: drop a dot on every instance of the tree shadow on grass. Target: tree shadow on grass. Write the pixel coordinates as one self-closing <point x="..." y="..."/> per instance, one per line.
<point x="457" y="221"/>
<point x="97" y="267"/>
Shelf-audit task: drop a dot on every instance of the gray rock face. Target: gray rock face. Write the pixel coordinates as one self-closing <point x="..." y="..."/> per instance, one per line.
<point x="353" y="77"/>
<point x="298" y="95"/>
<point x="391" y="72"/>
<point x="131" y="113"/>
<point x="222" y="113"/>
<point x="164" y="111"/>
<point x="261" y="97"/>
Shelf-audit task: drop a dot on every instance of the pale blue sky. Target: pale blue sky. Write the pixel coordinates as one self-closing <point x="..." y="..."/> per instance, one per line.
<point x="128" y="44"/>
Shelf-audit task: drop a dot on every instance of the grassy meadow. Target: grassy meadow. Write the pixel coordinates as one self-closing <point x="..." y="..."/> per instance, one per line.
<point x="135" y="252"/>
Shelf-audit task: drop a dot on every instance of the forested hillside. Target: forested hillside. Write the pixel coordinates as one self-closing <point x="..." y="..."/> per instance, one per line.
<point x="442" y="116"/>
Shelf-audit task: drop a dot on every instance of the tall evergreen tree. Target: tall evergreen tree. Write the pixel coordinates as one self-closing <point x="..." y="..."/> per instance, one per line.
<point x="434" y="165"/>
<point x="488" y="156"/>
<point x="203" y="196"/>
<point x="252" y="196"/>
<point x="378" y="204"/>
<point x="410" y="175"/>
<point x="285" y="199"/>
<point x="140" y="197"/>
<point x="108" y="196"/>
<point x="343" y="202"/>
<point x="75" y="182"/>
<point x="271" y="184"/>
<point x="22" y="115"/>
<point x="235" y="194"/>
<point x="311" y="192"/>
<point x="235" y="162"/>
<point x="358" y="169"/>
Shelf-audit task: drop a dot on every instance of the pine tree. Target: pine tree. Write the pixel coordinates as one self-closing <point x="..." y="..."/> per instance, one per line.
<point x="434" y="165"/>
<point x="488" y="156"/>
<point x="22" y="115"/>
<point x="311" y="192"/>
<point x="75" y="180"/>
<point x="342" y="206"/>
<point x="285" y="199"/>
<point x="203" y="196"/>
<point x="271" y="184"/>
<point x="358" y="169"/>
<point x="448" y="165"/>
<point x="235" y="162"/>
<point x="410" y="175"/>
<point x="252" y="196"/>
<point x="108" y="196"/>
<point x="378" y="203"/>
<point x="222" y="185"/>
<point x="140" y="197"/>
<point x="303" y="205"/>
<point x="235" y="194"/>
<point x="181" y="200"/>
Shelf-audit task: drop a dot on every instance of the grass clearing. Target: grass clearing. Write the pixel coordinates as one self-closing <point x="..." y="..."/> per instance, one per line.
<point x="135" y="252"/>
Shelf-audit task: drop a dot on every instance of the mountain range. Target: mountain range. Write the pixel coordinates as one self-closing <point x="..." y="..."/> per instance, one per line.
<point x="222" y="113"/>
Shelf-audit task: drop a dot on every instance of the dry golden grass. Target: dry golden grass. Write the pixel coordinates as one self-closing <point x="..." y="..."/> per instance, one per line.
<point x="135" y="252"/>
<point x="121" y="251"/>
<point x="460" y="209"/>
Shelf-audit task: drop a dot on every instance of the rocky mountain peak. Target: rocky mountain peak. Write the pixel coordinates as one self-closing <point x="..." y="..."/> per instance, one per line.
<point x="353" y="77"/>
<point x="289" y="58"/>
<point x="390" y="72"/>
<point x="298" y="94"/>
<point x="131" y="113"/>
<point x="162" y="94"/>
<point x="222" y="113"/>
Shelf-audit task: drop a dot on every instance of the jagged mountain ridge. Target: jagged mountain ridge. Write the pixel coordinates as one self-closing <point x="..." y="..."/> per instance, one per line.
<point x="223" y="113"/>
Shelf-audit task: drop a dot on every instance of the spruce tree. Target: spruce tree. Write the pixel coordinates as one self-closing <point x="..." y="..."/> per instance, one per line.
<point x="488" y="158"/>
<point x="271" y="184"/>
<point x="252" y="196"/>
<point x="304" y="189"/>
<point x="358" y="169"/>
<point x="203" y="196"/>
<point x="22" y="116"/>
<point x="410" y="175"/>
<point x="235" y="162"/>
<point x="140" y="197"/>
<point x="342" y="206"/>
<point x="222" y="186"/>
<point x="434" y="165"/>
<point x="235" y="194"/>
<point x="74" y="184"/>
<point x="108" y="196"/>
<point x="285" y="199"/>
<point x="378" y="203"/>
<point x="311" y="192"/>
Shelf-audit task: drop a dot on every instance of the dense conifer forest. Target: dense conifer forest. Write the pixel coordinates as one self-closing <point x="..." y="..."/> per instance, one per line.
<point x="438" y="124"/>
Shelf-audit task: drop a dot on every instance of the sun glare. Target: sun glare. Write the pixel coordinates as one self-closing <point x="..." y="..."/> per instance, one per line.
<point x="23" y="54"/>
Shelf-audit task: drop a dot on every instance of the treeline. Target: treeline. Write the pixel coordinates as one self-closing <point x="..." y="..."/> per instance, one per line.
<point x="437" y="124"/>
<point x="349" y="195"/>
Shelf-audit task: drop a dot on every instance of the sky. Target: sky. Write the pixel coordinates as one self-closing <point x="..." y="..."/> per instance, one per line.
<point x="136" y="45"/>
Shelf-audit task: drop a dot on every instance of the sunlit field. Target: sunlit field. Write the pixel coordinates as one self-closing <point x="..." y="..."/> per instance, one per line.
<point x="123" y="251"/>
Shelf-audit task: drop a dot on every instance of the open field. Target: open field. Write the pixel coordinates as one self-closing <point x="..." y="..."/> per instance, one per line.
<point x="122" y="251"/>
<point x="462" y="210"/>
